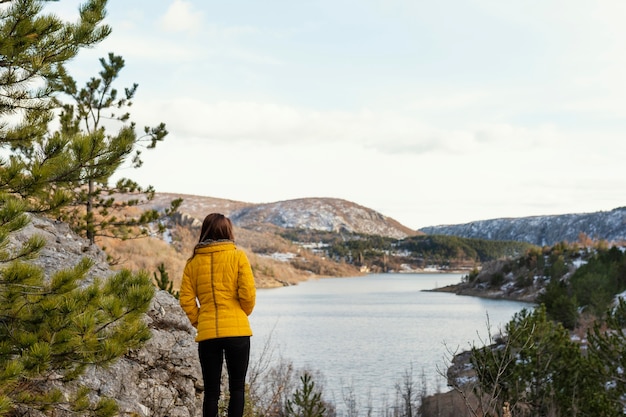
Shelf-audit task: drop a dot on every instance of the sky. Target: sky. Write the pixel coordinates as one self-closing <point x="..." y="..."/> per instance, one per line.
<point x="429" y="112"/>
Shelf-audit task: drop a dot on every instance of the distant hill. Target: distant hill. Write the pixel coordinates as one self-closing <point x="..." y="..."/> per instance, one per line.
<point x="336" y="231"/>
<point x="293" y="240"/>
<point x="337" y="215"/>
<point x="322" y="214"/>
<point x="198" y="206"/>
<point x="542" y="230"/>
<point x="274" y="234"/>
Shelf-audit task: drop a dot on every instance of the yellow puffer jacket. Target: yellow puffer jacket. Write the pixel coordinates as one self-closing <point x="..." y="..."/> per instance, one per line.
<point x="218" y="292"/>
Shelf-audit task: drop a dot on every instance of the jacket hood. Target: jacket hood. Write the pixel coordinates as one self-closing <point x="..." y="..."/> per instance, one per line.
<point x="214" y="245"/>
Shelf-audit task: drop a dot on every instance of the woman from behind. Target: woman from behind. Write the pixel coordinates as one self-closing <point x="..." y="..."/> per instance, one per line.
<point x="218" y="294"/>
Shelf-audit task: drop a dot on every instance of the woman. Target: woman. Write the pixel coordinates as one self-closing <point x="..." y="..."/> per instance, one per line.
<point x="218" y="294"/>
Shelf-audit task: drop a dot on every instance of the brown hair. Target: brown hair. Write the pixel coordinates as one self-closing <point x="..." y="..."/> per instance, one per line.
<point x="215" y="226"/>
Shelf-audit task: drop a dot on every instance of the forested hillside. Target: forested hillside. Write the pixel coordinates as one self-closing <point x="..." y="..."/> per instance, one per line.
<point x="416" y="253"/>
<point x="543" y="230"/>
<point x="571" y="342"/>
<point x="575" y="282"/>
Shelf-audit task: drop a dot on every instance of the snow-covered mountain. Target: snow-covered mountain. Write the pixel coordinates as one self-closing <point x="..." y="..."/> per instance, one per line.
<point x="543" y="230"/>
<point x="325" y="214"/>
<point x="337" y="215"/>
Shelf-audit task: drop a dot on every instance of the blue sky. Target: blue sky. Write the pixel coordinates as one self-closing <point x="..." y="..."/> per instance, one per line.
<point x="428" y="112"/>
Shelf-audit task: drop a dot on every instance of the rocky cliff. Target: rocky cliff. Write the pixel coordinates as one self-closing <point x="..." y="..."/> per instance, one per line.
<point x="163" y="378"/>
<point x="543" y="230"/>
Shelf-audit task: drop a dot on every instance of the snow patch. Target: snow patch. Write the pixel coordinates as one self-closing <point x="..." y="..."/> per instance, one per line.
<point x="167" y="237"/>
<point x="281" y="257"/>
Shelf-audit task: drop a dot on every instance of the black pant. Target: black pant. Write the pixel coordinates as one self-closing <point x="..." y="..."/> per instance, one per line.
<point x="237" y="353"/>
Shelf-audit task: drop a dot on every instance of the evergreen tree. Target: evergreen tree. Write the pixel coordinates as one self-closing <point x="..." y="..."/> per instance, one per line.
<point x="98" y="209"/>
<point x="163" y="281"/>
<point x="33" y="48"/>
<point x="306" y="401"/>
<point x="73" y="165"/>
<point x="540" y="371"/>
<point x="53" y="328"/>
<point x="607" y="346"/>
<point x="52" y="324"/>
<point x="560" y="305"/>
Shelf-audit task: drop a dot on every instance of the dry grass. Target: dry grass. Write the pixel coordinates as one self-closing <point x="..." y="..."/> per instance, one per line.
<point x="260" y="244"/>
<point x="148" y="253"/>
<point x="145" y="254"/>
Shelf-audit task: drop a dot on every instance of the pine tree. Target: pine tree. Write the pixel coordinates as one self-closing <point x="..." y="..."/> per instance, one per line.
<point x="52" y="325"/>
<point x="539" y="370"/>
<point x="607" y="347"/>
<point x="67" y="172"/>
<point x="306" y="401"/>
<point x="52" y="329"/>
<point x="98" y="209"/>
<point x="163" y="281"/>
<point x="33" y="48"/>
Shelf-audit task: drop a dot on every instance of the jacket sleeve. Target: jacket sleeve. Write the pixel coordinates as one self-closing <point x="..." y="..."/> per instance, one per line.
<point x="245" y="284"/>
<point x="187" y="297"/>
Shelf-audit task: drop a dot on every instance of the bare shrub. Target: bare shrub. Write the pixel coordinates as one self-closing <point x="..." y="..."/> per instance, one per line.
<point x="274" y="383"/>
<point x="408" y="397"/>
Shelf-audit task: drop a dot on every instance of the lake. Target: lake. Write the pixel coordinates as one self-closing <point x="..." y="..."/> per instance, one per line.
<point x="365" y="333"/>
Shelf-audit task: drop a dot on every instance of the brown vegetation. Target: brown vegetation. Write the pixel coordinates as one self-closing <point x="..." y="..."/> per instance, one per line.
<point x="447" y="404"/>
<point x="298" y="264"/>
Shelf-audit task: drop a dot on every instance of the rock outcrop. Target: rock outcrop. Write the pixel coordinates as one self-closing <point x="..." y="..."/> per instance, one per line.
<point x="162" y="378"/>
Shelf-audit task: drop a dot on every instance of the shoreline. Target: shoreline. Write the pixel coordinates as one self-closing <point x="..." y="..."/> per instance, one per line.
<point x="460" y="289"/>
<point x="277" y="283"/>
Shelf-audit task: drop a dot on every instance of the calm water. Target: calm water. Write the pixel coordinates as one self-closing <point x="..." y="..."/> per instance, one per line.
<point x="365" y="333"/>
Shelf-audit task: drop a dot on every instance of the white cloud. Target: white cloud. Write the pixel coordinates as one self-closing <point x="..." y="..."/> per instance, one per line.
<point x="181" y="17"/>
<point x="140" y="48"/>
<point x="282" y="124"/>
<point x="430" y="112"/>
<point x="384" y="131"/>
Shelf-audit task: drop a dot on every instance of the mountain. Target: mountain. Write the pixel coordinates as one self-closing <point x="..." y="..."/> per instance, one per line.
<point x="317" y="214"/>
<point x="542" y="230"/>
<point x="322" y="214"/>
<point x="295" y="240"/>
<point x="282" y="239"/>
